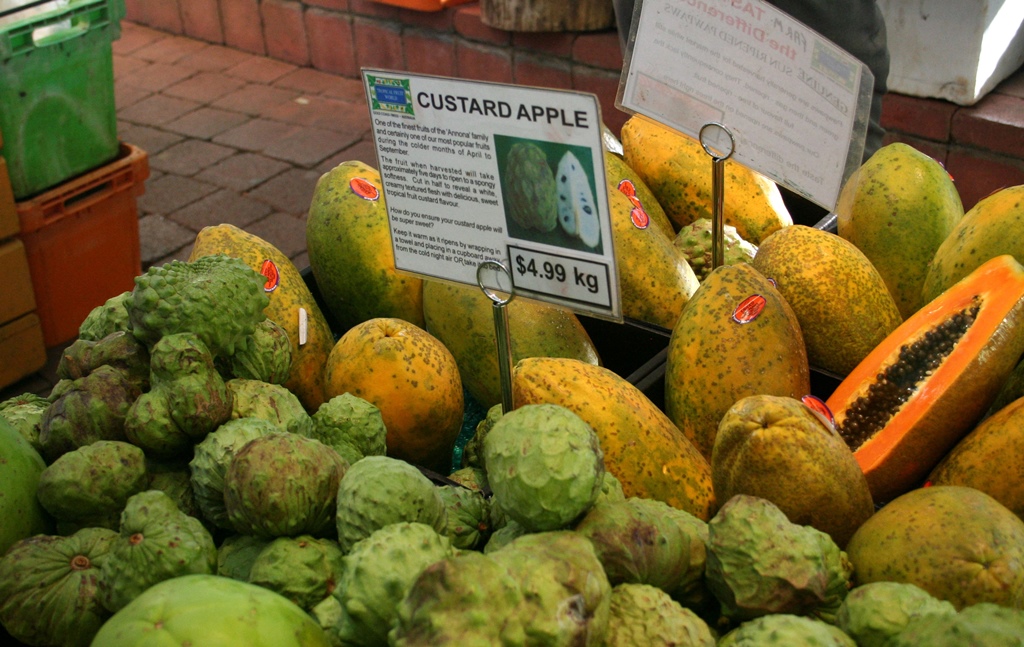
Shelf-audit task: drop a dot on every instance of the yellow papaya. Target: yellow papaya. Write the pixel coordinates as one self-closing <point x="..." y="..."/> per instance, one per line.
<point x="897" y="208"/>
<point x="678" y="172"/>
<point x="462" y="317"/>
<point x="288" y="294"/>
<point x="736" y="337"/>
<point x="627" y="181"/>
<point x="348" y="239"/>
<point x="642" y="448"/>
<point x="411" y="377"/>
<point x="655" y="281"/>
<point x="841" y="301"/>
<point x="990" y="458"/>
<point x="992" y="227"/>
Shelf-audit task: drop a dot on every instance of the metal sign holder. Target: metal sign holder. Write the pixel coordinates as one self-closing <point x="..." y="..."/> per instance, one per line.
<point x="718" y="158"/>
<point x="501" y="332"/>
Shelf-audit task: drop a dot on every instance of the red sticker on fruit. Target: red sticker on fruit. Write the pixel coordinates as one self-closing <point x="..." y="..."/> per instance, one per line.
<point x="818" y="407"/>
<point x="364" y="188"/>
<point x="749" y="309"/>
<point x="639" y="218"/>
<point x="269" y="270"/>
<point x="626" y="186"/>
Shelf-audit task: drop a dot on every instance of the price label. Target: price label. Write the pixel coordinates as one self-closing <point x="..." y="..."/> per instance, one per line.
<point x="546" y="274"/>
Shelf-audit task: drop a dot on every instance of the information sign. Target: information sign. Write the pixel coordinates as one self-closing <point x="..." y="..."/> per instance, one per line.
<point x="476" y="172"/>
<point x="796" y="104"/>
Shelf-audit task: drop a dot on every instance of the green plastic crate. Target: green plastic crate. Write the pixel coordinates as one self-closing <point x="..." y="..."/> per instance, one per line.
<point x="57" y="111"/>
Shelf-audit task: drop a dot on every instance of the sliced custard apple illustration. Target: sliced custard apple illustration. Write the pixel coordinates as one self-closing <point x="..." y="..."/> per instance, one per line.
<point x="577" y="212"/>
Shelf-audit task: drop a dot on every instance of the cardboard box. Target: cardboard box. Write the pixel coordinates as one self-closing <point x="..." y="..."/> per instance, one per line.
<point x="22" y="351"/>
<point x="18" y="297"/>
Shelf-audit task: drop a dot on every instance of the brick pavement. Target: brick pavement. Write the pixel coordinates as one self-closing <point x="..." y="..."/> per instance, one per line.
<point x="231" y="137"/>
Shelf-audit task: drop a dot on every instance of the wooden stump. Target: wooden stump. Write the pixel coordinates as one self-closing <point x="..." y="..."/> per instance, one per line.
<point x="547" y="15"/>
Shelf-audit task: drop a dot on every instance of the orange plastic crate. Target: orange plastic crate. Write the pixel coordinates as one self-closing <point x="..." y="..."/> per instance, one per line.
<point x="82" y="242"/>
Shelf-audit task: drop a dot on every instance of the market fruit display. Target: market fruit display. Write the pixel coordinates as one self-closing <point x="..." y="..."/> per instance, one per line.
<point x="411" y="377"/>
<point x="841" y="301"/>
<point x="928" y="383"/>
<point x="746" y="547"/>
<point x="308" y="333"/>
<point x="980" y="557"/>
<point x="777" y="448"/>
<point x="670" y="468"/>
<point x="990" y="228"/>
<point x="897" y="208"/>
<point x="736" y="337"/>
<point x="678" y="171"/>
<point x="462" y="317"/>
<point x="349" y="244"/>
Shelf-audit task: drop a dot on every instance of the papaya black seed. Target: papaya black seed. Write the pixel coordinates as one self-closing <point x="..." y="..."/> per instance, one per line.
<point x="896" y="383"/>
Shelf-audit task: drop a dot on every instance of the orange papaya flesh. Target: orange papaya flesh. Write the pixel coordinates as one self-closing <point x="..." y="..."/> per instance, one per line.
<point x="927" y="384"/>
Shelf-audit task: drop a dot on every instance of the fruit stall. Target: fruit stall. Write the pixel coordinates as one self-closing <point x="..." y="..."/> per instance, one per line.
<point x="756" y="431"/>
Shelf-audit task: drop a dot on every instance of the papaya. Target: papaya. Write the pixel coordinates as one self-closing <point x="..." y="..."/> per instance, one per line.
<point x="655" y="281"/>
<point x="990" y="458"/>
<point x="20" y="468"/>
<point x="678" y="171"/>
<point x="957" y="543"/>
<point x="926" y="385"/>
<point x="642" y="448"/>
<point x="348" y="239"/>
<point x="841" y="301"/>
<point x="897" y="208"/>
<point x="411" y="377"/>
<point x="462" y="317"/>
<point x="736" y="337"/>
<point x="288" y="294"/>
<point x="993" y="226"/>
<point x="627" y="181"/>
<point x="777" y="448"/>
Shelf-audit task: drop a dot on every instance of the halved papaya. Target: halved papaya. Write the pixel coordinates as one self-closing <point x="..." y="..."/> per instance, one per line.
<point x="925" y="386"/>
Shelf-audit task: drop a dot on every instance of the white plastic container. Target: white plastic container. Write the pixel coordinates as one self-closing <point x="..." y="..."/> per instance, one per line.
<point x="957" y="50"/>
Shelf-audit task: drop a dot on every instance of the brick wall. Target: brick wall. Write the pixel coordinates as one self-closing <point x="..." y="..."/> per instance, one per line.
<point x="341" y="36"/>
<point x="982" y="145"/>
